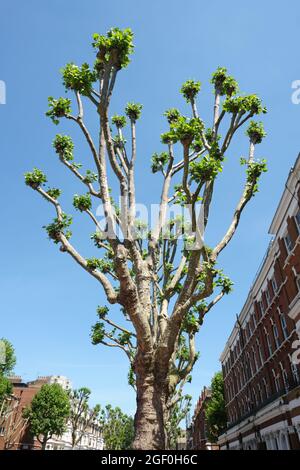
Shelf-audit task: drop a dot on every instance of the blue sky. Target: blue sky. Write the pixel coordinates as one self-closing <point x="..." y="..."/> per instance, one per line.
<point x="48" y="303"/>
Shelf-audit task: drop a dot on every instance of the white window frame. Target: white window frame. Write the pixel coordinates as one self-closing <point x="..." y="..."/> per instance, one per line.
<point x="297" y="220"/>
<point x="274" y="284"/>
<point x="289" y="244"/>
<point x="283" y="324"/>
<point x="276" y="336"/>
<point x="268" y="296"/>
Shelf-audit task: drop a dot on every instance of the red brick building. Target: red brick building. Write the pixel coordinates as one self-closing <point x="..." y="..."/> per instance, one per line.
<point x="198" y="432"/>
<point x="14" y="431"/>
<point x="261" y="359"/>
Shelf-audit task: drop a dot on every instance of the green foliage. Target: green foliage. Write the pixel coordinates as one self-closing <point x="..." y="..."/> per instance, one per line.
<point x="206" y="169"/>
<point x="254" y="171"/>
<point x="133" y="111"/>
<point x="82" y="202"/>
<point x="58" y="227"/>
<point x="185" y="130"/>
<point x="102" y="311"/>
<point x="93" y="263"/>
<point x="119" y="121"/>
<point x="243" y="104"/>
<point x="172" y="115"/>
<point x="97" y="333"/>
<point x="54" y="193"/>
<point x="78" y="78"/>
<point x="81" y="416"/>
<point x="131" y="377"/>
<point x="35" y="178"/>
<point x="90" y="177"/>
<point x="224" y="282"/>
<point x="215" y="411"/>
<point x="7" y="366"/>
<point x="190" y="89"/>
<point x="256" y="132"/>
<point x="177" y="414"/>
<point x="97" y="239"/>
<point x="158" y="161"/>
<point x="64" y="147"/>
<point x="48" y="412"/>
<point x="114" y="48"/>
<point x="190" y="323"/>
<point x="224" y="84"/>
<point x="117" y="428"/>
<point x="58" y="108"/>
<point x="5" y="390"/>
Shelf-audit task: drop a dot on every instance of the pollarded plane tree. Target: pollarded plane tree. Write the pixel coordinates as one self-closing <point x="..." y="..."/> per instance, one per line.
<point x="166" y="280"/>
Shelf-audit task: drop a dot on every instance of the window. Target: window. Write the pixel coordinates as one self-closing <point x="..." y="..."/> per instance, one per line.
<point x="288" y="243"/>
<point x="268" y="297"/>
<point x="269" y="342"/>
<point x="283" y="325"/>
<point x="276" y="381"/>
<point x="298" y="282"/>
<point x="254" y="319"/>
<point x="259" y="352"/>
<point x="254" y="360"/>
<point x="265" y="387"/>
<point x="297" y="220"/>
<point x="276" y="335"/>
<point x="274" y="284"/>
<point x="261" y="307"/>
<point x="295" y="372"/>
<point x="285" y="379"/>
<point x="260" y="394"/>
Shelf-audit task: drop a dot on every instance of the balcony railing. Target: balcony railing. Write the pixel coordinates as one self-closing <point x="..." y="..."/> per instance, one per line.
<point x="290" y="385"/>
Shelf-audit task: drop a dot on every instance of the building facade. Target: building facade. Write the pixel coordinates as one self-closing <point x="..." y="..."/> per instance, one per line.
<point x="14" y="430"/>
<point x="198" y="432"/>
<point x="260" y="362"/>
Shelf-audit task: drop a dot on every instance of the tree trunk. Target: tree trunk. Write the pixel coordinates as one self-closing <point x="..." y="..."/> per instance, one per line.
<point x="149" y="417"/>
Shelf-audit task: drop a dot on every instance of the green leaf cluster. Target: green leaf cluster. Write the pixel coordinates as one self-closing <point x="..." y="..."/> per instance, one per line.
<point x="224" y="83"/>
<point x="243" y="104"/>
<point x="190" y="89"/>
<point x="114" y="48"/>
<point x="35" y="178"/>
<point x="98" y="333"/>
<point x="256" y="132"/>
<point x="119" y="121"/>
<point x="78" y="78"/>
<point x="133" y="111"/>
<point x="58" y="108"/>
<point x="54" y="192"/>
<point x="206" y="169"/>
<point x="172" y="115"/>
<point x="58" y="227"/>
<point x="158" y="161"/>
<point x="64" y="147"/>
<point x="82" y="202"/>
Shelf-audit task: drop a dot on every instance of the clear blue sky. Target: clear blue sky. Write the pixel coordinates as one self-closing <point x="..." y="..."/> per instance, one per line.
<point x="47" y="302"/>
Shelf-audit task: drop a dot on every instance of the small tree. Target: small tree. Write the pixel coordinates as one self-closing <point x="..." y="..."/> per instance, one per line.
<point x="7" y="363"/>
<point x="48" y="413"/>
<point x="117" y="428"/>
<point x="162" y="274"/>
<point x="178" y="411"/>
<point x="81" y="416"/>
<point x="215" y="411"/>
<point x="7" y="357"/>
